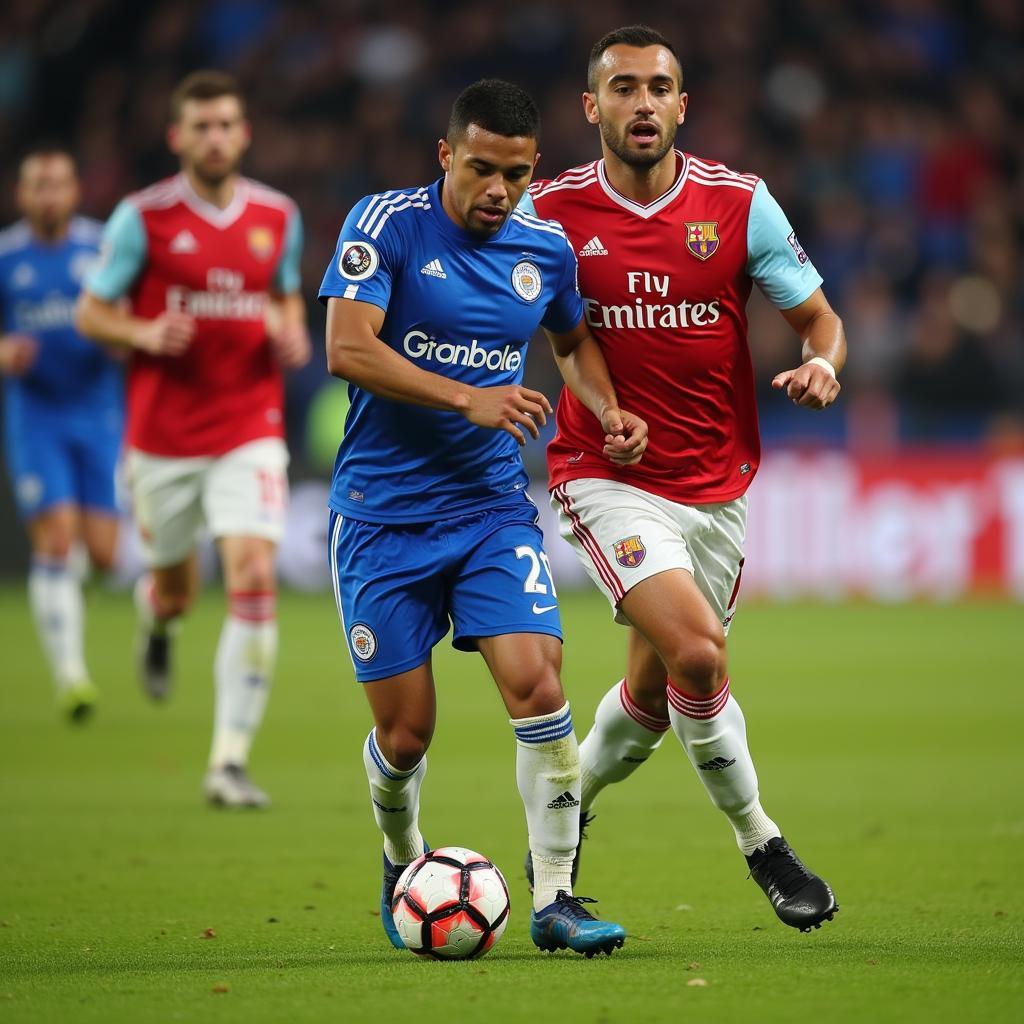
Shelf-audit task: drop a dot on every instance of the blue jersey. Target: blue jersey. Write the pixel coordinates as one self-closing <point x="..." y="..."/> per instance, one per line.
<point x="455" y="305"/>
<point x="39" y="283"/>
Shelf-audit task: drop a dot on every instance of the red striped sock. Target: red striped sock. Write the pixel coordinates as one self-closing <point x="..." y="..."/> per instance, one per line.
<point x="699" y="708"/>
<point x="252" y="605"/>
<point x="637" y="713"/>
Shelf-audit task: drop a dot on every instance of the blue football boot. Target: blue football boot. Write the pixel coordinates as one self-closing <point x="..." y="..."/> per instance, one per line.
<point x="392" y="873"/>
<point x="567" y="924"/>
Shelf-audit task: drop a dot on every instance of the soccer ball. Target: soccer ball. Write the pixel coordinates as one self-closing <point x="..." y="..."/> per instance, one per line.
<point x="450" y="904"/>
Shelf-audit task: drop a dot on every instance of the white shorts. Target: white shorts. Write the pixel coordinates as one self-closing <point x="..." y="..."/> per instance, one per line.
<point x="243" y="493"/>
<point x="624" y="535"/>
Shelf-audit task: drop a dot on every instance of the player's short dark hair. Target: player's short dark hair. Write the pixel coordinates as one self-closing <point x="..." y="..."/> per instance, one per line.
<point x="628" y="35"/>
<point x="496" y="106"/>
<point x="206" y="84"/>
<point x="42" y="149"/>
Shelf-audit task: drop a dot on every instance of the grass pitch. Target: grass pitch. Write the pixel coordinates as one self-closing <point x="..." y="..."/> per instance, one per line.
<point x="888" y="745"/>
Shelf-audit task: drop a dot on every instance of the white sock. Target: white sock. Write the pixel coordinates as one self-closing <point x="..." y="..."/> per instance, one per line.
<point x="622" y="737"/>
<point x="714" y="736"/>
<point x="55" y="596"/>
<point x="548" y="773"/>
<point x="396" y="802"/>
<point x="243" y="667"/>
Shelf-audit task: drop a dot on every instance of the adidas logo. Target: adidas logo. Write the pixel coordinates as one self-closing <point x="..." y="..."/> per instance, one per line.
<point x="594" y="248"/>
<point x="716" y="764"/>
<point x="388" y="810"/>
<point x="434" y="269"/>
<point x="563" y="802"/>
<point x="183" y="241"/>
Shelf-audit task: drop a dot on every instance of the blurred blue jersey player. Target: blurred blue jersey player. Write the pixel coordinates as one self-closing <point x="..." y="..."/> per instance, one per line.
<point x="62" y="410"/>
<point x="433" y="295"/>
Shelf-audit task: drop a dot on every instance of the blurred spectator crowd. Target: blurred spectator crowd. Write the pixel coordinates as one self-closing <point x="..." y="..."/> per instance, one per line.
<point x="891" y="131"/>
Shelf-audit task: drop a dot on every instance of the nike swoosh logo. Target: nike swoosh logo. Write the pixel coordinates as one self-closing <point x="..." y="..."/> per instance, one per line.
<point x="540" y="609"/>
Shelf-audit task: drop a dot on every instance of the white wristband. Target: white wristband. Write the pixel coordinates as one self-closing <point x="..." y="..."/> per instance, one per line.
<point x="824" y="364"/>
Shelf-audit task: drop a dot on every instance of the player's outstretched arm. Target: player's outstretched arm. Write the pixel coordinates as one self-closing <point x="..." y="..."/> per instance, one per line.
<point x="355" y="353"/>
<point x="581" y="362"/>
<point x="814" y="383"/>
<point x="169" y="334"/>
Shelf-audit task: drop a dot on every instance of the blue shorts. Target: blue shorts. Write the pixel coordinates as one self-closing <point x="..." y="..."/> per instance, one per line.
<point x="399" y="586"/>
<point x="57" y="457"/>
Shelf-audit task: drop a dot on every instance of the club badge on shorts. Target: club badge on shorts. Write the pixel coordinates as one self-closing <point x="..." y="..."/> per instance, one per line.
<point x="526" y="280"/>
<point x="363" y="642"/>
<point x="702" y="238"/>
<point x="630" y="551"/>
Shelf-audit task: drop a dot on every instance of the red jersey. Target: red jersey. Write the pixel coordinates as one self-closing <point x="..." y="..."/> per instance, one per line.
<point x="665" y="288"/>
<point x="218" y="266"/>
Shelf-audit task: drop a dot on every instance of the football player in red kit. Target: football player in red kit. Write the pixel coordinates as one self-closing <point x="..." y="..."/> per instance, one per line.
<point x="669" y="246"/>
<point x="209" y="262"/>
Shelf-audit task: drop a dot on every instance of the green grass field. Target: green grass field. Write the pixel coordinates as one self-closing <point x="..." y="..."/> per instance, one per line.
<point x="888" y="746"/>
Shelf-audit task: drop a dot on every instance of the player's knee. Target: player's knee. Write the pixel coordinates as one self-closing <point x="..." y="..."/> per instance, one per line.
<point x="254" y="573"/>
<point x="539" y="692"/>
<point x="404" y="744"/>
<point x="103" y="557"/>
<point x="55" y="543"/>
<point x="699" y="664"/>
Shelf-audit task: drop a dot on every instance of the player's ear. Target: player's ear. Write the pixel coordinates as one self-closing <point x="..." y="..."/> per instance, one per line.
<point x="174" y="138"/>
<point x="444" y="155"/>
<point x="683" y="97"/>
<point x="246" y="135"/>
<point x="590" y="107"/>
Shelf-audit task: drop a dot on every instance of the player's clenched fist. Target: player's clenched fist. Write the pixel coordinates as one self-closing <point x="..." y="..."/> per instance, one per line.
<point x="625" y="439"/>
<point x="810" y="385"/>
<point x="169" y="334"/>
<point x="17" y="354"/>
<point x="508" y="408"/>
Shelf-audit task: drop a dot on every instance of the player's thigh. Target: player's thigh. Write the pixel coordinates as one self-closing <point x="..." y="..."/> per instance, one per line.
<point x="622" y="535"/>
<point x="503" y="582"/>
<point x="245" y="493"/>
<point x="53" y="531"/>
<point x="389" y="587"/>
<point x="526" y="668"/>
<point x="166" y="499"/>
<point x="717" y="554"/>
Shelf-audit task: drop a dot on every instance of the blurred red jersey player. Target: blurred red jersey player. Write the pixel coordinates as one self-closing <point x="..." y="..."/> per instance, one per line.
<point x="208" y="262"/>
<point x="669" y="246"/>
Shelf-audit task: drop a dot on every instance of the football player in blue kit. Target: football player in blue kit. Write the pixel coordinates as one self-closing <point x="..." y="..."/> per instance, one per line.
<point x="62" y="411"/>
<point x="433" y="296"/>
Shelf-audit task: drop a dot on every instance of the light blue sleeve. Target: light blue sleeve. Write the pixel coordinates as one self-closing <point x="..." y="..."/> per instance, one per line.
<point x="287" y="276"/>
<point x="122" y="254"/>
<point x="776" y="261"/>
<point x="526" y="205"/>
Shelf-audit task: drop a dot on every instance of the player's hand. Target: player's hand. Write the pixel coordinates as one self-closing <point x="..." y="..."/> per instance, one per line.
<point x="17" y="354"/>
<point x="509" y="408"/>
<point x="290" y="345"/>
<point x="170" y="334"/>
<point x="625" y="439"/>
<point x="810" y="385"/>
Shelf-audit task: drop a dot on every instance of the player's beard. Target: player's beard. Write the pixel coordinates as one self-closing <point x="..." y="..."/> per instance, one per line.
<point x="618" y="143"/>
<point x="214" y="177"/>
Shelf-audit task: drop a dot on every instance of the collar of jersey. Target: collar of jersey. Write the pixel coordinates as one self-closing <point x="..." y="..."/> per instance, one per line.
<point x="646" y="210"/>
<point x="219" y="218"/>
<point x="449" y="227"/>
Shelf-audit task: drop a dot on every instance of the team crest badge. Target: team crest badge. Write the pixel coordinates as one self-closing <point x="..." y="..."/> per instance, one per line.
<point x="526" y="280"/>
<point x="629" y="553"/>
<point x="358" y="260"/>
<point x="363" y="642"/>
<point x="702" y="238"/>
<point x="261" y="243"/>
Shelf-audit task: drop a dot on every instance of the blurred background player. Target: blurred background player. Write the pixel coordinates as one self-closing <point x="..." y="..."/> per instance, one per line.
<point x="433" y="296"/>
<point x="210" y="263"/>
<point x="669" y="246"/>
<point x="63" y="411"/>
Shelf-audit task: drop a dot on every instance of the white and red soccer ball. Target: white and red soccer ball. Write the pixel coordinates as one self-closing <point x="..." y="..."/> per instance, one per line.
<point x="450" y="904"/>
